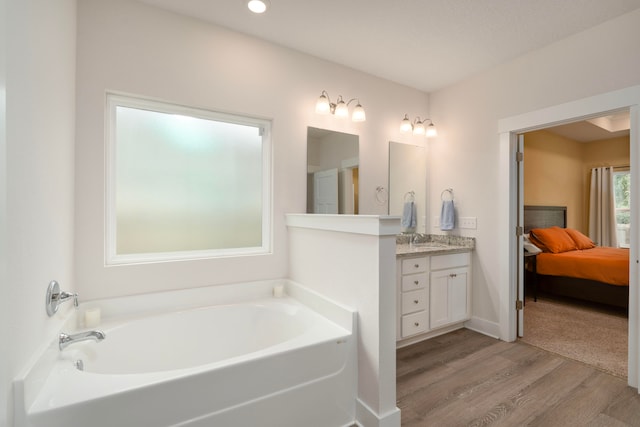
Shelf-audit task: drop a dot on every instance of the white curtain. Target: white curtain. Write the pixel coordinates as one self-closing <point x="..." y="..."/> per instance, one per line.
<point x="602" y="209"/>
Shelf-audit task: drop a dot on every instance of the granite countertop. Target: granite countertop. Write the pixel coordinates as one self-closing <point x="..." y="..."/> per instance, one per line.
<point x="432" y="244"/>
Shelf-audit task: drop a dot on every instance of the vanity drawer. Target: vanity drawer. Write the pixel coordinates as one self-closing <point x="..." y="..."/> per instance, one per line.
<point x="414" y="265"/>
<point x="414" y="323"/>
<point x="412" y="282"/>
<point x="414" y="301"/>
<point x="439" y="262"/>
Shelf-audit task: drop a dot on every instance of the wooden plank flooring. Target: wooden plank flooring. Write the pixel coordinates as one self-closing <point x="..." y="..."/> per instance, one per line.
<point x="467" y="379"/>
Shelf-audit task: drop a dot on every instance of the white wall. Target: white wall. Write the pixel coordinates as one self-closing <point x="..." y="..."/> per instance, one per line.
<point x="356" y="268"/>
<point x="5" y="371"/>
<point x="465" y="156"/>
<point x="158" y="54"/>
<point x="37" y="213"/>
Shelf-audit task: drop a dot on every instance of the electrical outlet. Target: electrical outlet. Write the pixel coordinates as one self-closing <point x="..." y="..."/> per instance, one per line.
<point x="469" y="222"/>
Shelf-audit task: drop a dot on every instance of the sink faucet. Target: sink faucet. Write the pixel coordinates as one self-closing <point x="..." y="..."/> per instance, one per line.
<point x="65" y="339"/>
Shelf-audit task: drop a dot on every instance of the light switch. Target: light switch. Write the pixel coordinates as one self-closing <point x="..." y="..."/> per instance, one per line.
<point x="470" y="222"/>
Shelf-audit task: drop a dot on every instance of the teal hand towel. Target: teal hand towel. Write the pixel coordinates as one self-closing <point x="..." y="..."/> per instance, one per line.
<point x="409" y="217"/>
<point x="447" y="215"/>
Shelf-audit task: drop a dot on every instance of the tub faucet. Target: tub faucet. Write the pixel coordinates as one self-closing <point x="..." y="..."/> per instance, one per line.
<point x="65" y="339"/>
<point x="55" y="297"/>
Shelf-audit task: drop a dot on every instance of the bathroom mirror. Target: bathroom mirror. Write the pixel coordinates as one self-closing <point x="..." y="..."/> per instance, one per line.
<point x="332" y="172"/>
<point x="408" y="180"/>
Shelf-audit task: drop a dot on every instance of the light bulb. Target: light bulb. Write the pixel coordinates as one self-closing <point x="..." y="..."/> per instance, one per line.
<point x="322" y="105"/>
<point x="341" y="109"/>
<point x="418" y="128"/>
<point x="431" y="131"/>
<point x="405" y="124"/>
<point x="358" y="114"/>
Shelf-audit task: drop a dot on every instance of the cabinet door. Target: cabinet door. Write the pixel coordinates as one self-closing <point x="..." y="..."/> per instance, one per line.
<point x="439" y="299"/>
<point x="458" y="291"/>
<point x="448" y="297"/>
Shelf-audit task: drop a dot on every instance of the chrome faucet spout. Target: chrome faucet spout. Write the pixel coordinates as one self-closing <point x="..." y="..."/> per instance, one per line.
<point x="65" y="340"/>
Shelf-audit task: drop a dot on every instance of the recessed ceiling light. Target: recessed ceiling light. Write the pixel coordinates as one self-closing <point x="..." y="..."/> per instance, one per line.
<point x="258" y="6"/>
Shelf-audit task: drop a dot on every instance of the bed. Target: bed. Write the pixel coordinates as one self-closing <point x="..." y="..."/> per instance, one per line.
<point x="570" y="264"/>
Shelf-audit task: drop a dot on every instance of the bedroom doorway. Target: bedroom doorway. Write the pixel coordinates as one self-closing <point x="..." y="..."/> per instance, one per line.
<point x="554" y="178"/>
<point x="510" y="276"/>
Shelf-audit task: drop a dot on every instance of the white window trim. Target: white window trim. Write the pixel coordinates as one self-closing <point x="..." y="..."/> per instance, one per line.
<point x="114" y="100"/>
<point x="621" y="171"/>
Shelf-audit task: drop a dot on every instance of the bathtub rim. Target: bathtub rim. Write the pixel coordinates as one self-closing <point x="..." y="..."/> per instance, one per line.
<point x="314" y="333"/>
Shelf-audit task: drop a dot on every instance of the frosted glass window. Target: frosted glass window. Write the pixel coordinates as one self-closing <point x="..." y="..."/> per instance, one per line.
<point x="185" y="183"/>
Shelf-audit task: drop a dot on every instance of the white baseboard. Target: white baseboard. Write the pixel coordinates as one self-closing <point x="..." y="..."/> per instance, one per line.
<point x="366" y="417"/>
<point x="483" y="326"/>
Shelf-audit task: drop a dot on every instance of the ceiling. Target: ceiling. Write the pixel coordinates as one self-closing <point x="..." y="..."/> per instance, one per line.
<point x="597" y="129"/>
<point x="424" y="44"/>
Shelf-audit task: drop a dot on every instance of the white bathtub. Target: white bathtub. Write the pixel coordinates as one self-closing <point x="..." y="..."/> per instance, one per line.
<point x="267" y="362"/>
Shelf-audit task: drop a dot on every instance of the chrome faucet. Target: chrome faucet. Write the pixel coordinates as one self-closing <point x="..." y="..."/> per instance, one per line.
<point x="65" y="339"/>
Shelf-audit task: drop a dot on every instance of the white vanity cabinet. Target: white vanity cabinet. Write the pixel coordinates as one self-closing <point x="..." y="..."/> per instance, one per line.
<point x="433" y="293"/>
<point x="449" y="289"/>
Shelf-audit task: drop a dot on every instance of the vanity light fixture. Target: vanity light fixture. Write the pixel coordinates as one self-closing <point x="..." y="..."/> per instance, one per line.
<point x="340" y="108"/>
<point x="418" y="126"/>
<point x="258" y="6"/>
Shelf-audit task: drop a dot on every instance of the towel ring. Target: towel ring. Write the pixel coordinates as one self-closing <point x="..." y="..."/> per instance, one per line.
<point x="410" y="196"/>
<point x="381" y="195"/>
<point x="446" y="190"/>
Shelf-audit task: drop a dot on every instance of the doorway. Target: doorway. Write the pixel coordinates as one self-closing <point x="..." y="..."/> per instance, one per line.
<point x="557" y="165"/>
<point x="511" y="275"/>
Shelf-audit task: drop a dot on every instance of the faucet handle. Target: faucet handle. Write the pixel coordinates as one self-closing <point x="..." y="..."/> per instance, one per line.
<point x="55" y="297"/>
<point x="63" y="296"/>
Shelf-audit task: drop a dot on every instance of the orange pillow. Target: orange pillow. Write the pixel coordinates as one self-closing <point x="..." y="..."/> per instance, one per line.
<point x="554" y="239"/>
<point x="581" y="241"/>
<point x="537" y="242"/>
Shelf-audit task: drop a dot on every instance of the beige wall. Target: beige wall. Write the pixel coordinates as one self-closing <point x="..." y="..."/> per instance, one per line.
<point x="553" y="174"/>
<point x="609" y="152"/>
<point x="557" y="171"/>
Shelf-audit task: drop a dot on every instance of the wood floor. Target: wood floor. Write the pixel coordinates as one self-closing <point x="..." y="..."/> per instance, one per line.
<point x="467" y="379"/>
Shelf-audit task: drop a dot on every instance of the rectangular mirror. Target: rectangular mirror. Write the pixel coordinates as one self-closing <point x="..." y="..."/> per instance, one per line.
<point x="332" y="172"/>
<point x="408" y="182"/>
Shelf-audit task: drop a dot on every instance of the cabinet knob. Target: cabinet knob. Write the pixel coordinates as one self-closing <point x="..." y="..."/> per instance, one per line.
<point x="416" y="324"/>
<point x="415" y="301"/>
<point x="415" y="282"/>
<point x="453" y="275"/>
<point x="416" y="265"/>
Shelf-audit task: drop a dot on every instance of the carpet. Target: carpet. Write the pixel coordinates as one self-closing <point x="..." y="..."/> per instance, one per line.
<point x="591" y="334"/>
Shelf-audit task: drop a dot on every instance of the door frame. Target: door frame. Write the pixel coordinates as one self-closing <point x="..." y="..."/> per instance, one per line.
<point x="509" y="276"/>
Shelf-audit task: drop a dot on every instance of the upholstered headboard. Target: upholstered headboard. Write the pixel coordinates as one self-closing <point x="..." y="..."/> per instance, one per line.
<point x="544" y="216"/>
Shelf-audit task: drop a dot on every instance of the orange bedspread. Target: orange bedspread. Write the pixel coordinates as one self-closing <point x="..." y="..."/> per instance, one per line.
<point x="603" y="264"/>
